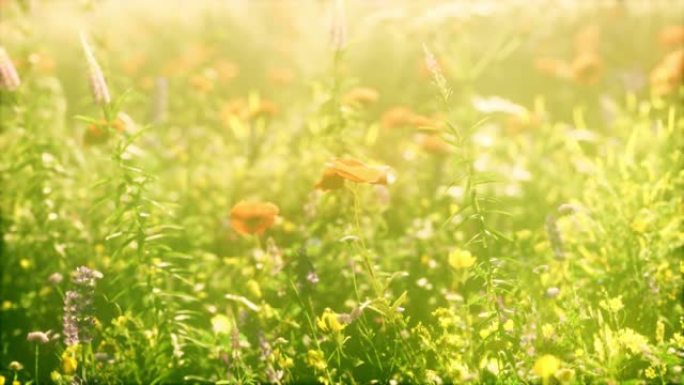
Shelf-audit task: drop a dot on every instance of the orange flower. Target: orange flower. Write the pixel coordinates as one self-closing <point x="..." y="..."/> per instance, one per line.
<point x="361" y="96"/>
<point x="353" y="170"/>
<point x="587" y="40"/>
<point x="552" y="67"/>
<point x="397" y="117"/>
<point x="672" y="36"/>
<point x="587" y="68"/>
<point x="226" y="70"/>
<point x="281" y="76"/>
<point x="265" y="108"/>
<point x="253" y="217"/>
<point x="98" y="133"/>
<point x="434" y="144"/>
<point x="667" y="76"/>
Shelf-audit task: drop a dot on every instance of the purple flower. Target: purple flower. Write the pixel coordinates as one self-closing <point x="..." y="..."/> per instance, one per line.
<point x="79" y="309"/>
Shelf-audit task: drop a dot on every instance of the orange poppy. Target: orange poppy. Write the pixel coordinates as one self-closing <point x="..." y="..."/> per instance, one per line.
<point x="433" y="144"/>
<point x="397" y="117"/>
<point x="361" y="96"/>
<point x="98" y="133"/>
<point x="552" y="67"/>
<point x="587" y="68"/>
<point x="253" y="217"/>
<point x="672" y="36"/>
<point x="667" y="76"/>
<point x="353" y="170"/>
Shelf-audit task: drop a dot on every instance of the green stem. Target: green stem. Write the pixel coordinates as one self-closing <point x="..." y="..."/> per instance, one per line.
<point x="35" y="376"/>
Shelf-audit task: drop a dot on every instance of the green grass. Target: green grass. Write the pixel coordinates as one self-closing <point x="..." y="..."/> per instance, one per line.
<point x="511" y="221"/>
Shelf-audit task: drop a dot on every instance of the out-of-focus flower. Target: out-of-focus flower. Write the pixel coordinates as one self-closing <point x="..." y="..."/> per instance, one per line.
<point x="361" y="96"/>
<point x="38" y="336"/>
<point x="338" y="26"/>
<point x="69" y="362"/>
<point x="433" y="144"/>
<point x="587" y="68"/>
<point x="553" y="67"/>
<point x="316" y="360"/>
<point x="281" y="76"/>
<point x="226" y="70"/>
<point x="329" y="322"/>
<point x="204" y="81"/>
<point x="263" y="109"/>
<point x="672" y="36"/>
<point x="99" y="132"/>
<point x="98" y="84"/>
<point x="133" y="64"/>
<point x="460" y="259"/>
<point x="55" y="278"/>
<point x="587" y="40"/>
<point x="9" y="78"/>
<point x="353" y="170"/>
<point x="667" y="76"/>
<point x="15" y="366"/>
<point x="565" y="375"/>
<point x="546" y="366"/>
<point x="221" y="324"/>
<point x="253" y="217"/>
<point x="552" y="292"/>
<point x="397" y="117"/>
<point x="400" y="116"/>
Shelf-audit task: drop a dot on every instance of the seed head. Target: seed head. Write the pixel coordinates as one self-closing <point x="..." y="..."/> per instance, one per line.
<point x="9" y="78"/>
<point x="98" y="84"/>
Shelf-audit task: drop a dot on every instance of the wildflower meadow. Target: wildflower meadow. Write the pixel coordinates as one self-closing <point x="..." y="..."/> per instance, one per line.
<point x="341" y="192"/>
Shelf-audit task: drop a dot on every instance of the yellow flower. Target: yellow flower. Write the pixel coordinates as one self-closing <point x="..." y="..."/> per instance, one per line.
<point x="253" y="287"/>
<point x="509" y="325"/>
<point x="316" y="360"/>
<point x="16" y="382"/>
<point x="660" y="331"/>
<point x="69" y="363"/>
<point x="613" y="305"/>
<point x="650" y="373"/>
<point x="546" y="366"/>
<point x="461" y="259"/>
<point x="2" y="379"/>
<point x="565" y="375"/>
<point x="54" y="376"/>
<point x="328" y="322"/>
<point x="632" y="341"/>
<point x="547" y="331"/>
<point x="220" y="324"/>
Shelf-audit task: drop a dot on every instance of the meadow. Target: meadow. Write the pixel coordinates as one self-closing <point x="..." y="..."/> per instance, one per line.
<point x="356" y="192"/>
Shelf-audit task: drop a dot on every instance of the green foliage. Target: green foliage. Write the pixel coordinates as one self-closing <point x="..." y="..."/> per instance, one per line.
<point x="423" y="227"/>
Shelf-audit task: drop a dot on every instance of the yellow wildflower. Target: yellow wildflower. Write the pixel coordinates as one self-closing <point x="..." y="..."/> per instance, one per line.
<point x="546" y="366"/>
<point x="328" y="322"/>
<point x="509" y="325"/>
<point x="461" y="259"/>
<point x="660" y="331"/>
<point x="316" y="360"/>
<point x="69" y="363"/>
<point x="220" y="324"/>
<point x="613" y="305"/>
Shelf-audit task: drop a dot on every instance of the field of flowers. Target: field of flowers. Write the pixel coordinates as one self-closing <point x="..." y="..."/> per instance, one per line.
<point x="329" y="191"/>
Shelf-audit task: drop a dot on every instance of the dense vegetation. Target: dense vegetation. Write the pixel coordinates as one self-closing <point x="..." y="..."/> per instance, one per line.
<point x="341" y="192"/>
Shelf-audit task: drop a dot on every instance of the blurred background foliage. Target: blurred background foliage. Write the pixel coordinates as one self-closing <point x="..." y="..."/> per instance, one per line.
<point x="531" y="230"/>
